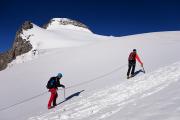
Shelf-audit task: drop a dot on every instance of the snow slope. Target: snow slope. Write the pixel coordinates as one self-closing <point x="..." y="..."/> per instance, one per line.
<point x="95" y="78"/>
<point x="117" y="101"/>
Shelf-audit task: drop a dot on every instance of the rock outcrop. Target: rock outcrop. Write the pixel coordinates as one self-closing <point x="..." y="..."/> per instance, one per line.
<point x="20" y="46"/>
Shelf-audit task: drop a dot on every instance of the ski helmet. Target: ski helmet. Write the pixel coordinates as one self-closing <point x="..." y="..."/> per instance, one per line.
<point x="59" y="75"/>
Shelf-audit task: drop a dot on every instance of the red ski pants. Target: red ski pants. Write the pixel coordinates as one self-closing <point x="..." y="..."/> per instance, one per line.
<point x="53" y="97"/>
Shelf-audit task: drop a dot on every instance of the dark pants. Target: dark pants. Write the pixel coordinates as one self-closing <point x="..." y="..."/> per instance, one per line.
<point x="131" y="65"/>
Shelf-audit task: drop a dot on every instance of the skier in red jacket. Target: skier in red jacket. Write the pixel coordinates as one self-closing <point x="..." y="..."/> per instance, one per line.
<point x="133" y="56"/>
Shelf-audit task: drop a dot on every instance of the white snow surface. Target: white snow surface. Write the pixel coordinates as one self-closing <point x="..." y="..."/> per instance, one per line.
<point x="52" y="38"/>
<point x="94" y="72"/>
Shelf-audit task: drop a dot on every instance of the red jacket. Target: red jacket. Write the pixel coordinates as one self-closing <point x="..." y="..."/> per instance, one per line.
<point x="134" y="56"/>
<point x="138" y="59"/>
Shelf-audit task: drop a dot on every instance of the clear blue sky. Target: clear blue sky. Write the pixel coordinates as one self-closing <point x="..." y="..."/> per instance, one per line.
<point x="105" y="17"/>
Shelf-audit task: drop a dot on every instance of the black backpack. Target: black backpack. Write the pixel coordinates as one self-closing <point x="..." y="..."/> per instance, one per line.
<point x="51" y="83"/>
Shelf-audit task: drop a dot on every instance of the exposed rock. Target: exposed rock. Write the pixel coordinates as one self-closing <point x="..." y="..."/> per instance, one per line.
<point x="20" y="46"/>
<point x="3" y="60"/>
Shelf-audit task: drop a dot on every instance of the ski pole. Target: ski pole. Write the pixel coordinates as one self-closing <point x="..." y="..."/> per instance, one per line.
<point x="64" y="93"/>
<point x="143" y="69"/>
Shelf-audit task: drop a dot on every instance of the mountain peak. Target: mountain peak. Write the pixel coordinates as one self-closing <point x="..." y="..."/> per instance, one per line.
<point x="65" y="23"/>
<point x="19" y="47"/>
<point x="31" y="38"/>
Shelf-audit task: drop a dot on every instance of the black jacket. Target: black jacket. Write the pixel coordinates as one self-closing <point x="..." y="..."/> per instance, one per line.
<point x="56" y="82"/>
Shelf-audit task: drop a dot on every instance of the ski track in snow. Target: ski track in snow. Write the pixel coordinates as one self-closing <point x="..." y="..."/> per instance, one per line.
<point x="109" y="101"/>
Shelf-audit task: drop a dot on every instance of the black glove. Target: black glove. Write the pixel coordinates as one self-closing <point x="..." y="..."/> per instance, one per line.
<point x="62" y="86"/>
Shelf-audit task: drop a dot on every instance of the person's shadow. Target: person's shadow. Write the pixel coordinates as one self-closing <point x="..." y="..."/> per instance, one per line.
<point x="139" y="71"/>
<point x="71" y="96"/>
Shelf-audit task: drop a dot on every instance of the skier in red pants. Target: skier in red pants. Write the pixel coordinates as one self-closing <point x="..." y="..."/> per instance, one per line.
<point x="53" y="85"/>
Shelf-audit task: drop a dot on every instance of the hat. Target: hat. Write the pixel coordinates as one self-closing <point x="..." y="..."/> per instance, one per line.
<point x="134" y="50"/>
<point x="59" y="75"/>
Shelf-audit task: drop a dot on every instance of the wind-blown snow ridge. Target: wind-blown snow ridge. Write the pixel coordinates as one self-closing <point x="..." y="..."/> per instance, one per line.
<point x="107" y="102"/>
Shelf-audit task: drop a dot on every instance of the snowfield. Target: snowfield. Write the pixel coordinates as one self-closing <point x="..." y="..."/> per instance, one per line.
<point x="94" y="72"/>
<point x="106" y="103"/>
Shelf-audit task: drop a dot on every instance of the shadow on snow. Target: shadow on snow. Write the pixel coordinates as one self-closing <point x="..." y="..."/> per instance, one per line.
<point x="139" y="71"/>
<point x="71" y="96"/>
